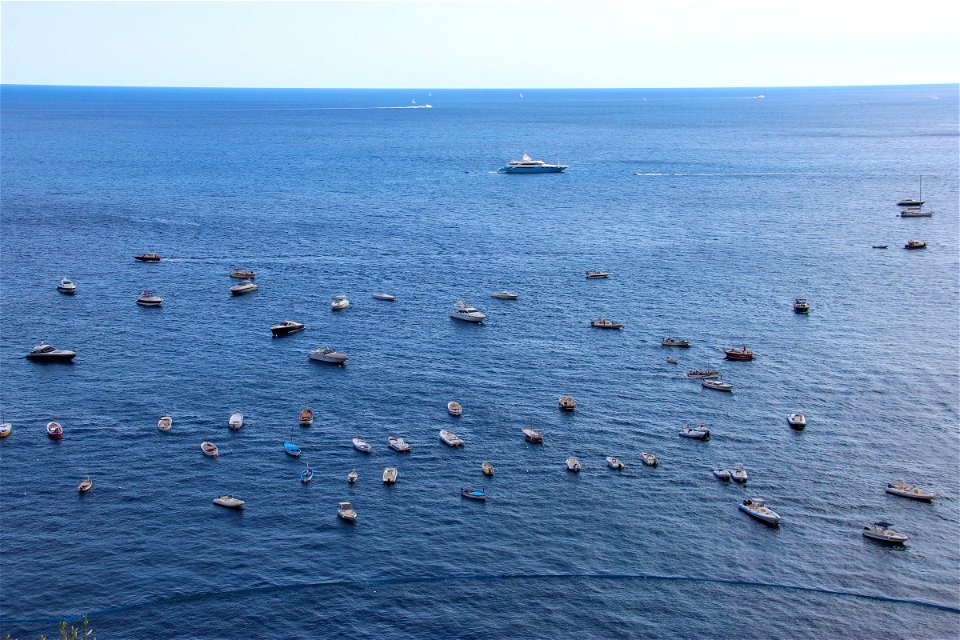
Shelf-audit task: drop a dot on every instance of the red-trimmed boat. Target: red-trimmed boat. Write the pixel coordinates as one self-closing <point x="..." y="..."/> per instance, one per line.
<point x="54" y="430"/>
<point x="741" y="353"/>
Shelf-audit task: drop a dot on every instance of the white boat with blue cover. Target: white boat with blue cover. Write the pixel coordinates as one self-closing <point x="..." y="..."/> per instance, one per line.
<point x="291" y="449"/>
<point x="473" y="494"/>
<point x="526" y="164"/>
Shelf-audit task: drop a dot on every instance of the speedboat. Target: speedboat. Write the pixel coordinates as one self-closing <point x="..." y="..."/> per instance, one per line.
<point x="339" y="302"/>
<point x="614" y="463"/>
<point x="84" y="486"/>
<point x="5" y="429"/>
<point x="722" y="474"/>
<point x="165" y="423"/>
<point x="649" y="459"/>
<point x="454" y="408"/>
<point x="716" y="385"/>
<point x="450" y="439"/>
<point x="487" y="468"/>
<point x="346" y="512"/>
<point x="467" y="313"/>
<point x="380" y="295"/>
<point x="291" y="449"/>
<point x="67" y="286"/>
<point x="797" y="421"/>
<point x="670" y="342"/>
<point x="147" y="257"/>
<point x="532" y="435"/>
<point x="149" y="299"/>
<point x="882" y="532"/>
<point x="473" y="494"/>
<point x="362" y="445"/>
<point x="879" y="246"/>
<point x="43" y="352"/>
<point x="672" y="361"/>
<point x="306" y="417"/>
<point x="700" y="432"/>
<point x="916" y="213"/>
<point x="229" y="502"/>
<point x="209" y="449"/>
<point x="600" y="323"/>
<point x="567" y="403"/>
<point x="755" y="508"/>
<point x="739" y="473"/>
<point x="899" y="488"/>
<point x="398" y="444"/>
<point x="54" y="430"/>
<point x="526" y="164"/>
<point x="800" y="305"/>
<point x="504" y="295"/>
<point x="740" y="353"/>
<point x="247" y="286"/>
<point x="235" y="421"/>
<point x="286" y="327"/>
<point x="698" y="373"/>
<point x="306" y="475"/>
<point x="915" y="244"/>
<point x="390" y="475"/>
<point x="352" y="476"/>
<point x="242" y="274"/>
<point x="597" y="275"/>
<point x="573" y="464"/>
<point x="326" y="354"/>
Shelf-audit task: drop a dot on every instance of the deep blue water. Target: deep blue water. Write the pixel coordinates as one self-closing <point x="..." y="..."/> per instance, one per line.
<point x="741" y="205"/>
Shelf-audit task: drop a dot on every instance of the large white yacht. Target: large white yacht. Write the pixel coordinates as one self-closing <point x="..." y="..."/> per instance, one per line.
<point x="467" y="313"/>
<point x="526" y="164"/>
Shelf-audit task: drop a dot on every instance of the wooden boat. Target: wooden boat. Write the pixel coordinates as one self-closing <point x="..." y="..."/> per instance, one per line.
<point x="346" y="512"/>
<point x="306" y="475"/>
<point x="600" y="323"/>
<point x="306" y="417"/>
<point x="915" y="244"/>
<point x="597" y="275"/>
<point x="209" y="449"/>
<point x="286" y="327"/>
<point x="487" y="468"/>
<point x="697" y="373"/>
<point x="352" y="477"/>
<point x="567" y="403"/>
<point x="882" y="532"/>
<point x="899" y="488"/>
<point x="247" y="286"/>
<point x="700" y="432"/>
<point x="390" y="475"/>
<point x="716" y="385"/>
<point x="149" y="299"/>
<point x="614" y="463"/>
<point x="398" y="444"/>
<point x="504" y="295"/>
<point x="84" y="486"/>
<point x="242" y="274"/>
<point x="450" y="439"/>
<point x="670" y="342"/>
<point x="229" y="502"/>
<point x="573" y="464"/>
<point x="757" y="509"/>
<point x="797" y="421"/>
<point x="54" y="430"/>
<point x="532" y="435"/>
<point x="165" y="423"/>
<point x="291" y="449"/>
<point x="741" y="353"/>
<point x="649" y="459"/>
<point x="473" y="494"/>
<point x="454" y="408"/>
<point x="800" y="305"/>
<point x="147" y="257"/>
<point x="235" y="421"/>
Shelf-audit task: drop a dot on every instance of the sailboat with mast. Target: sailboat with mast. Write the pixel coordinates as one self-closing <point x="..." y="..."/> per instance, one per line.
<point x="914" y="208"/>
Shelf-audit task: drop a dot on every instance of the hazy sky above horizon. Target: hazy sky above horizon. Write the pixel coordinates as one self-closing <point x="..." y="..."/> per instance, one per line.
<point x="494" y="43"/>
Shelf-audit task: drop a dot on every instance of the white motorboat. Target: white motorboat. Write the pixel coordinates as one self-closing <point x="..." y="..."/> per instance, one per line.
<point x="739" y="473"/>
<point x="326" y="354"/>
<point x="346" y="512"/>
<point x="700" y="432"/>
<point x="466" y="312"/>
<point x="165" y="423"/>
<point x="352" y="476"/>
<point x="398" y="444"/>
<point x="450" y="439"/>
<point x="339" y="302"/>
<point x="614" y="463"/>
<point x="209" y="449"/>
<point x="229" y="502"/>
<point x="797" y="421"/>
<point x="899" y="488"/>
<point x="532" y="435"/>
<point x="84" y="486"/>
<point x="67" y="286"/>
<point x="597" y="275"/>
<point x="601" y="323"/>
<point x="454" y="408"/>
<point x="716" y="385"/>
<point x="247" y="286"/>
<point x="722" y="474"/>
<point x="756" y="508"/>
<point x="235" y="421"/>
<point x="242" y="274"/>
<point x="286" y="327"/>
<point x="306" y="417"/>
<point x="362" y="445"/>
<point x="504" y="295"/>
<point x="487" y="468"/>
<point x="573" y="464"/>
<point x="390" y="475"/>
<point x="649" y="459"/>
<point x="881" y="531"/>
<point x="149" y="299"/>
<point x="381" y="295"/>
<point x="44" y="352"/>
<point x="567" y="403"/>
<point x="916" y="213"/>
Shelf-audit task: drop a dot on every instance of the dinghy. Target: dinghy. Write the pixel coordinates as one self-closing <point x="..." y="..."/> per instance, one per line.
<point x="209" y="449"/>
<point x="882" y="532"/>
<point x="614" y="463"/>
<point x="291" y="449"/>
<point x="229" y="502"/>
<point x="899" y="488"/>
<point x="390" y="475"/>
<point x="84" y="486"/>
<point x="382" y="295"/>
<point x="722" y="474"/>
<point x="473" y="494"/>
<point x="700" y="432"/>
<point x="739" y="473"/>
<point x="757" y="509"/>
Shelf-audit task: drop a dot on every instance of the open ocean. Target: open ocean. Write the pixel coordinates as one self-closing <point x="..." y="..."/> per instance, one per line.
<point x="711" y="209"/>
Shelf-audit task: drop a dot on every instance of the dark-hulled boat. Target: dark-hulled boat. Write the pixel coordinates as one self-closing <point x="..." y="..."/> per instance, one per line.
<point x="44" y="352"/>
<point x="147" y="257"/>
<point x="286" y="327"/>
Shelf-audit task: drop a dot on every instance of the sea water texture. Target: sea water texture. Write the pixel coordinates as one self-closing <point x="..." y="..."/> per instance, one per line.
<point x="711" y="209"/>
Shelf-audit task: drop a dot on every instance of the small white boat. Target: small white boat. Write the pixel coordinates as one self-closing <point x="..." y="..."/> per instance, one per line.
<point x="352" y="476"/>
<point x="326" y="354"/>
<point x="649" y="459"/>
<point x="722" y="474"/>
<point x="362" y="445"/>
<point x="346" y="512"/>
<point x="242" y="274"/>
<point x="306" y="417"/>
<point x="916" y="213"/>
<point x="487" y="468"/>
<point x="149" y="299"/>
<point x="597" y="275"/>
<point x="899" y="488"/>
<point x="532" y="435"/>
<point x="450" y="439"/>
<point x="235" y="421"/>
<point x="504" y="295"/>
<point x="165" y="423"/>
<point x="229" y="502"/>
<point x="380" y="295"/>
<point x="567" y="403"/>
<point x="247" y="286"/>
<point x="756" y="508"/>
<point x="454" y="408"/>
<point x="466" y="312"/>
<point x="739" y="473"/>
<point x="398" y="444"/>
<point x="44" y="352"/>
<point x="881" y="531"/>
<point x="716" y="385"/>
<point x="67" y="286"/>
<point x="339" y="302"/>
<point x="286" y="327"/>
<point x="700" y="432"/>
<point x="390" y="475"/>
<point x="574" y="465"/>
<point x="601" y="323"/>
<point x="54" y="430"/>
<point x="797" y="421"/>
<point x="84" y="486"/>
<point x="209" y="449"/>
<point x="614" y="463"/>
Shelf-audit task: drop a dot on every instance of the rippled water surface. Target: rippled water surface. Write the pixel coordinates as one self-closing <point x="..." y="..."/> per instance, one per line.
<point x="712" y="210"/>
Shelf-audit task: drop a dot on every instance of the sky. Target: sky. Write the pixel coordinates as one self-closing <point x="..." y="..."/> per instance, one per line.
<point x="481" y="44"/>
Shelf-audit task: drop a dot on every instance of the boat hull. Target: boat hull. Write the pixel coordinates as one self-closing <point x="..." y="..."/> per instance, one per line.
<point x="546" y="169"/>
<point x="280" y="331"/>
<point x="464" y="317"/>
<point x="51" y="357"/>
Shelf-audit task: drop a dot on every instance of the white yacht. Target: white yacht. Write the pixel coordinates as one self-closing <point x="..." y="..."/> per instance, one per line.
<point x="454" y="408"/>
<point x="756" y="508"/>
<point x="326" y="354"/>
<point x="739" y="473"/>
<point x="526" y="164"/>
<point x="340" y="302"/>
<point x="614" y="463"/>
<point x="450" y="439"/>
<point x="67" y="286"/>
<point x="398" y="444"/>
<point x="467" y="313"/>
